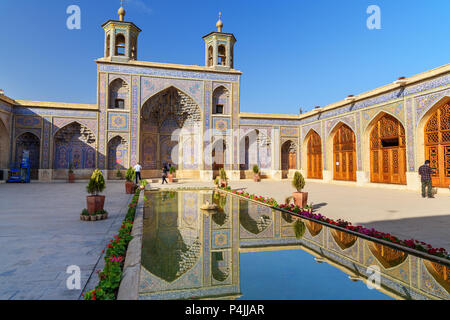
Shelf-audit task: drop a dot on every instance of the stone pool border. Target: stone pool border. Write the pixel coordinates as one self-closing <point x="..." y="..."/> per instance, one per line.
<point x="129" y="285"/>
<point x="392" y="245"/>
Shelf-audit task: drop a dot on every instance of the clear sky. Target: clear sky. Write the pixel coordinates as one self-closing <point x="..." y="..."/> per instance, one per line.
<point x="293" y="53"/>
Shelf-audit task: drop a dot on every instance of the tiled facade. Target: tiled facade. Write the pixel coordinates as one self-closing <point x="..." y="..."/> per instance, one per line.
<point x="138" y="82"/>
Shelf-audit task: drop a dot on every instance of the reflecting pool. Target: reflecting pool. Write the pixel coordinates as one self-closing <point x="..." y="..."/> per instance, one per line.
<point x="245" y="250"/>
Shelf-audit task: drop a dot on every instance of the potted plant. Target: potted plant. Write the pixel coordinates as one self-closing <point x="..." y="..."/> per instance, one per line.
<point x="95" y="202"/>
<point x="119" y="174"/>
<point x="71" y="174"/>
<point x="300" y="198"/>
<point x="216" y="182"/>
<point x="129" y="184"/>
<point x="223" y="178"/>
<point x="84" y="216"/>
<point x="143" y="183"/>
<point x="256" y="173"/>
<point x="171" y="175"/>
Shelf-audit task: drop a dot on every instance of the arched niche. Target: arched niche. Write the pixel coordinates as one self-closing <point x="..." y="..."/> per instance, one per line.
<point x="28" y="142"/>
<point x="74" y="145"/>
<point x="168" y="118"/>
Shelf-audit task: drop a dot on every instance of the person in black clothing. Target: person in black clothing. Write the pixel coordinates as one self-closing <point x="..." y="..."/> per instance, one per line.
<point x="425" y="173"/>
<point x="164" y="174"/>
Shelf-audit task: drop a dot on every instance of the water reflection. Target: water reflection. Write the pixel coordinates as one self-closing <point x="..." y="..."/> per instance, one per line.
<point x="191" y="253"/>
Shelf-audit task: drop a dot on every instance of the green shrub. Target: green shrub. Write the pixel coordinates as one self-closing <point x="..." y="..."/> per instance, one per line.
<point x="143" y="183"/>
<point x="130" y="175"/>
<point x="85" y="212"/>
<point x="299" y="229"/>
<point x="298" y="182"/>
<point x="96" y="183"/>
<point x="223" y="174"/>
<point x="172" y="170"/>
<point x="119" y="174"/>
<point x="70" y="168"/>
<point x="216" y="181"/>
<point x="255" y="169"/>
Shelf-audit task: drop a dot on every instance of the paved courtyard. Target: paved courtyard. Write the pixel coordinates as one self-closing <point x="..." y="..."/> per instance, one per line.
<point x="41" y="235"/>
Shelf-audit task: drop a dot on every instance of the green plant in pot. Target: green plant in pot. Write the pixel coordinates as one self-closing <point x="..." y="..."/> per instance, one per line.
<point x="95" y="202"/>
<point x="256" y="173"/>
<point x="129" y="184"/>
<point x="300" y="198"/>
<point x="71" y="173"/>
<point x="143" y="184"/>
<point x="223" y="178"/>
<point x="85" y="215"/>
<point x="216" y="182"/>
<point x="171" y="175"/>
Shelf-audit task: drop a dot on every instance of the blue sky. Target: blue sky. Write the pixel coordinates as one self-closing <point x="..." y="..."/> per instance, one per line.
<point x="293" y="53"/>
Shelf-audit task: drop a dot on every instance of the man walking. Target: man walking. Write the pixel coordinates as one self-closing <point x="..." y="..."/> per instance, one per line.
<point x="164" y="174"/>
<point x="137" y="171"/>
<point x="425" y="172"/>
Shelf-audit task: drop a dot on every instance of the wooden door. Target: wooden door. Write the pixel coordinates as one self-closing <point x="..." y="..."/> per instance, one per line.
<point x="388" y="151"/>
<point x="314" y="156"/>
<point x="344" y="154"/>
<point x="288" y="158"/>
<point x="437" y="145"/>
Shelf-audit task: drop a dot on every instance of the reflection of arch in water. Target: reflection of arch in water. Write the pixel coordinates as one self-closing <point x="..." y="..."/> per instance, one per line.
<point x="314" y="228"/>
<point x="251" y="219"/>
<point x="343" y="239"/>
<point x="171" y="247"/>
<point x="440" y="273"/>
<point x="387" y="256"/>
<point x="220" y="265"/>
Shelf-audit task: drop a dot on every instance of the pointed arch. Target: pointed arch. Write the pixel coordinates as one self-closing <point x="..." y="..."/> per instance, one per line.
<point x="74" y="144"/>
<point x="386" y="144"/>
<point x="342" y="144"/>
<point x="119" y="94"/>
<point x="289" y="151"/>
<point x="30" y="143"/>
<point x="433" y="135"/>
<point x="167" y="117"/>
<point x="117" y="153"/>
<point x="313" y="143"/>
<point x="221" y="100"/>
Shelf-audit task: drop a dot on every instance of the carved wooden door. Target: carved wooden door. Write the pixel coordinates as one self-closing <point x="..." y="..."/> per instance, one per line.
<point x="344" y="154"/>
<point x="437" y="145"/>
<point x="314" y="156"/>
<point x="388" y="151"/>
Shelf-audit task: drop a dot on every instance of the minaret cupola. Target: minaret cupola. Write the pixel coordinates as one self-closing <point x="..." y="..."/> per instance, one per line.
<point x="121" y="38"/>
<point x="219" y="48"/>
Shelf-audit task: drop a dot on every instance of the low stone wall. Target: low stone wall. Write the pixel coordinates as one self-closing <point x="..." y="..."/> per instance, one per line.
<point x="129" y="286"/>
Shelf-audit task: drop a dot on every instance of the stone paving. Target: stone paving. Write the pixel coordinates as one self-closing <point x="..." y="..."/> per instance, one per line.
<point x="402" y="213"/>
<point x="41" y="235"/>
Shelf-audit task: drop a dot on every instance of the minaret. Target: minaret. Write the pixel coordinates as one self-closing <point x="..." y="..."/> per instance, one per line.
<point x="219" y="48"/>
<point x="121" y="38"/>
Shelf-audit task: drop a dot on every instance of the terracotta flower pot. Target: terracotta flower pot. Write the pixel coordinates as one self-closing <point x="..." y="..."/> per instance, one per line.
<point x="223" y="183"/>
<point x="170" y="176"/>
<point x="129" y="187"/>
<point x="300" y="199"/>
<point x="95" y="203"/>
<point x="257" y="177"/>
<point x="71" y="177"/>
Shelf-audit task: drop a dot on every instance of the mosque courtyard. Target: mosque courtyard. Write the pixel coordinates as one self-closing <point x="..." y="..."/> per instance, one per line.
<point x="41" y="234"/>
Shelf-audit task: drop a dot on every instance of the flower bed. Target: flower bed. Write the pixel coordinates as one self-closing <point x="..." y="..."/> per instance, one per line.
<point x="412" y="243"/>
<point x="111" y="275"/>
